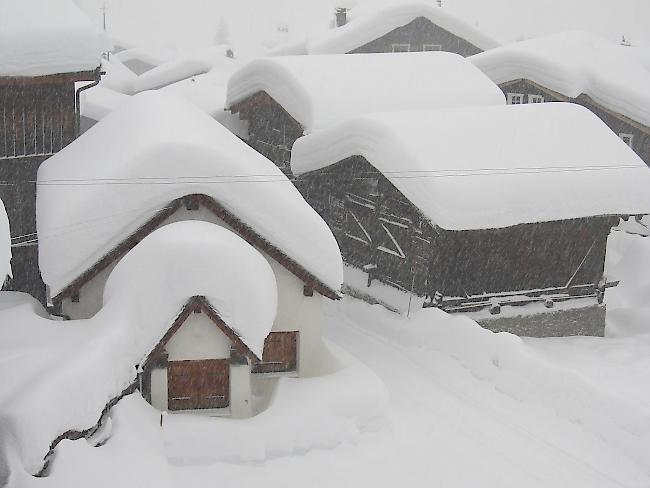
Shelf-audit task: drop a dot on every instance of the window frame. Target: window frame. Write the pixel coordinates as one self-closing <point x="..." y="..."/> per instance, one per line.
<point x="511" y="96"/>
<point x="532" y="98"/>
<point x="424" y="47"/>
<point x="407" y="45"/>
<point x="627" y="138"/>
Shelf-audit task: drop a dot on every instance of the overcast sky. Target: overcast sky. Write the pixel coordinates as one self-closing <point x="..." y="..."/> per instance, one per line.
<point x="188" y="23"/>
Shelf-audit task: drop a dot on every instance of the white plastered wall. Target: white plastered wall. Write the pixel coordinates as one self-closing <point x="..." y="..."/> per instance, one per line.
<point x="296" y="312"/>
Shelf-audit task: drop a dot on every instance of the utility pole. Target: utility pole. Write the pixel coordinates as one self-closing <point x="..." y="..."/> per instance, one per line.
<point x="104" y="9"/>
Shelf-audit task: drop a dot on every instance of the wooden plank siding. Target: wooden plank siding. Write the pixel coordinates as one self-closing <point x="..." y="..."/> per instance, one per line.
<point x="379" y="230"/>
<point x="618" y="123"/>
<point x="37" y="118"/>
<point x="421" y="35"/>
<point x="280" y="353"/>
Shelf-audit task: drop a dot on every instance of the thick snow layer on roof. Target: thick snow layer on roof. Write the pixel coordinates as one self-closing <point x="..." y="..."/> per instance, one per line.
<point x="92" y="195"/>
<point x="47" y="37"/>
<point x="318" y="91"/>
<point x="193" y="63"/>
<point x="490" y="167"/>
<point x="98" y="102"/>
<point x="75" y="368"/>
<point x="5" y="245"/>
<point x="369" y="22"/>
<point x="571" y="63"/>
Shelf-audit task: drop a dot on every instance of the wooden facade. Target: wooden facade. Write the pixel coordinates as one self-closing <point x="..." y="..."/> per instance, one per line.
<point x="380" y="231"/>
<point x="37" y="119"/>
<point x="419" y="35"/>
<point x="636" y="135"/>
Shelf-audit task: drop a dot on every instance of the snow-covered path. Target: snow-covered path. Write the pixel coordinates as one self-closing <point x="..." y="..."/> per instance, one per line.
<point x="451" y="427"/>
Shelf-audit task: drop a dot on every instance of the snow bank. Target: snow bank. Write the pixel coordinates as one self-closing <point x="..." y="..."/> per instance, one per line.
<point x="75" y="368"/>
<point x="628" y="260"/>
<point x="512" y="369"/>
<point x="43" y="38"/>
<point x="5" y="245"/>
<point x="164" y="148"/>
<point x="118" y="77"/>
<point x="571" y="63"/>
<point x="132" y="457"/>
<point x="369" y="22"/>
<point x="490" y="167"/>
<point x="319" y="91"/>
<point x="305" y="414"/>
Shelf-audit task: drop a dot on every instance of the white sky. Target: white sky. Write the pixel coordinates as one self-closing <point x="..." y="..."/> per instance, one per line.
<point x="189" y="23"/>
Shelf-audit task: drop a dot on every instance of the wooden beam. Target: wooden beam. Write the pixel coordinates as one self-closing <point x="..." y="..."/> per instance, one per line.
<point x="57" y="78"/>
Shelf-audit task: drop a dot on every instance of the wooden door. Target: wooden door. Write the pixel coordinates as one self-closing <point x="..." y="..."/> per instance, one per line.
<point x="198" y="384"/>
<point x="280" y="353"/>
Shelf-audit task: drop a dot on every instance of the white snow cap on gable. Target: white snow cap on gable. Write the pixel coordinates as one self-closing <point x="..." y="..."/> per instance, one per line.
<point x="319" y="91"/>
<point x="47" y="37"/>
<point x="184" y="259"/>
<point x="151" y="150"/>
<point x="572" y="63"/>
<point x="5" y="245"/>
<point x="369" y="22"/>
<point x="491" y="167"/>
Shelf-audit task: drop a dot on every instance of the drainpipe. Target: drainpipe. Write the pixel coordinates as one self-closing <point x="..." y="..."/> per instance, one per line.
<point x="77" y="121"/>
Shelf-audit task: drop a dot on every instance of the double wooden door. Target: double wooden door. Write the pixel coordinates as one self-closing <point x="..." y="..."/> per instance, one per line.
<point x="198" y="384"/>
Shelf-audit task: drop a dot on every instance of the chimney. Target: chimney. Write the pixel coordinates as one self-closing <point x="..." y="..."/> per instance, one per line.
<point x="341" y="16"/>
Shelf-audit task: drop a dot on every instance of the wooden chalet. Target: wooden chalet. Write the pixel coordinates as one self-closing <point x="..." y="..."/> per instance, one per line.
<point x="283" y="97"/>
<point x="580" y="68"/>
<point x="39" y="114"/>
<point x="469" y="229"/>
<point x="404" y="27"/>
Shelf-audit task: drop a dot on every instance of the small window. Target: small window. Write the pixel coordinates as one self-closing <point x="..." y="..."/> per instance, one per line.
<point x="515" y="99"/>
<point x="535" y="99"/>
<point x="401" y="48"/>
<point x="431" y="47"/>
<point x="627" y="138"/>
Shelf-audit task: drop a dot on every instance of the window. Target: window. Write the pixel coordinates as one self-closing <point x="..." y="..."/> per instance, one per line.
<point x="627" y="138"/>
<point x="515" y="98"/>
<point x="431" y="47"/>
<point x="401" y="48"/>
<point x="535" y="99"/>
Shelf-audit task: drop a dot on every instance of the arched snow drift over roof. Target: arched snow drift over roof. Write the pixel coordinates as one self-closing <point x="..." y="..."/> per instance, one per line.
<point x="95" y="360"/>
<point x="572" y="63"/>
<point x="367" y="23"/>
<point x="150" y="151"/>
<point x="319" y="91"/>
<point x="47" y="37"/>
<point x="5" y="245"/>
<point x="492" y="167"/>
<point x="185" y="259"/>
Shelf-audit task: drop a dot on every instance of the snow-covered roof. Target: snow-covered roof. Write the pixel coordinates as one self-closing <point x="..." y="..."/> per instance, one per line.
<point x="319" y="91"/>
<point x="572" y="63"/>
<point x="77" y="367"/>
<point x="369" y="22"/>
<point x="43" y="38"/>
<point x="98" y="102"/>
<point x="5" y="245"/>
<point x="491" y="167"/>
<point x="152" y="55"/>
<point x="193" y="63"/>
<point x="150" y="151"/>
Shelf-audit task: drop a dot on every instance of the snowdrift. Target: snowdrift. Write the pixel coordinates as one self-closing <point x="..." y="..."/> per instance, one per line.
<point x="319" y="91"/>
<point x="491" y="167"/>
<point x="162" y="149"/>
<point x="43" y="38"/>
<point x="572" y="63"/>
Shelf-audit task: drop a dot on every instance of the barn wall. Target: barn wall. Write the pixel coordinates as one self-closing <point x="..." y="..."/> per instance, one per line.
<point x="417" y="33"/>
<point x="379" y="229"/>
<point x="36" y="121"/>
<point x="198" y="338"/>
<point x="90" y="297"/>
<point x="617" y="123"/>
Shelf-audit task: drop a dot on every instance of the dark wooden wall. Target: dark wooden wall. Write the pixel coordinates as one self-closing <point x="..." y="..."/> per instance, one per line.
<point x="417" y="33"/>
<point x="36" y="121"/>
<point x="379" y="229"/>
<point x="618" y="123"/>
